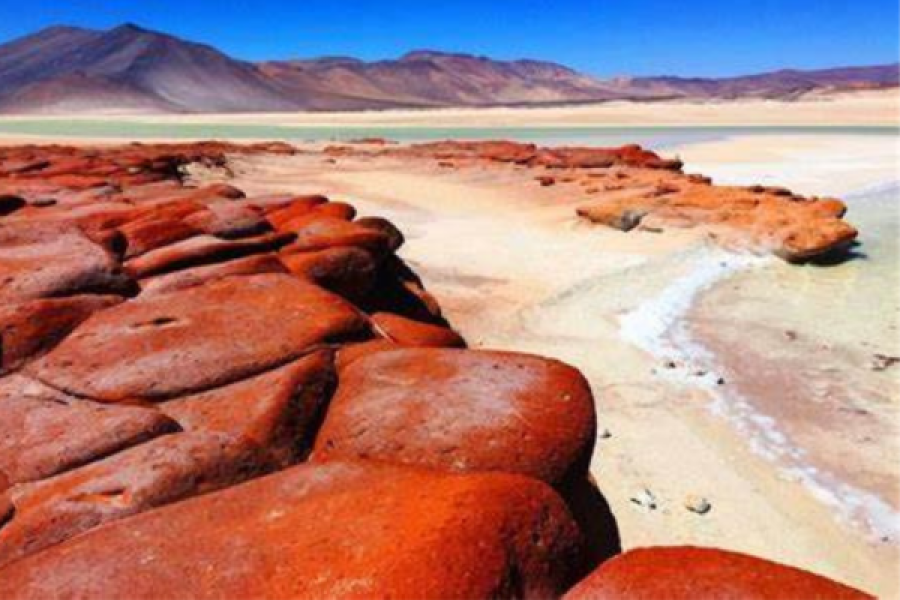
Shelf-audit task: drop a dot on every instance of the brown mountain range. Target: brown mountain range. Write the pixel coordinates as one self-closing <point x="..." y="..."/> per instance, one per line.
<point x="131" y="69"/>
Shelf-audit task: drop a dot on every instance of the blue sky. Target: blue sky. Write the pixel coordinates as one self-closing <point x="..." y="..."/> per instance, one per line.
<point x="602" y="37"/>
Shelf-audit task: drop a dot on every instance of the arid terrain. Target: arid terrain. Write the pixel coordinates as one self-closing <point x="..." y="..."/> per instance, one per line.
<point x="193" y="317"/>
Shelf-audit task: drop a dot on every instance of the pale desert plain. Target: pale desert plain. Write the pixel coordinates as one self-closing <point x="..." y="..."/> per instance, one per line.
<point x="737" y="403"/>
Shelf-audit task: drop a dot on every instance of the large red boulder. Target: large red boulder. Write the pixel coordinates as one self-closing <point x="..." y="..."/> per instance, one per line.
<point x="45" y="432"/>
<point x="689" y="573"/>
<point x="324" y="531"/>
<point x="463" y="410"/>
<point x="197" y="338"/>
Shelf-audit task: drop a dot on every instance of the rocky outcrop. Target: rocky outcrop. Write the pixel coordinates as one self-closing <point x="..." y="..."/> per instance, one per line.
<point x="209" y="395"/>
<point x="631" y="188"/>
<point x="757" y="218"/>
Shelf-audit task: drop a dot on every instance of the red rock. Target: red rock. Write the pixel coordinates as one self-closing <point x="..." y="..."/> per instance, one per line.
<point x="229" y="220"/>
<point x="462" y="411"/>
<point x="324" y="531"/>
<point x="688" y="572"/>
<point x="201" y="250"/>
<point x="13" y="167"/>
<point x="300" y="206"/>
<point x="197" y="338"/>
<point x="546" y="180"/>
<point x="338" y="210"/>
<point x="152" y="474"/>
<point x="759" y="218"/>
<point x="347" y="271"/>
<point x="145" y="235"/>
<point x="185" y="278"/>
<point x="278" y="410"/>
<point x="394" y="235"/>
<point x="408" y="332"/>
<point x="41" y="261"/>
<point x="30" y="328"/>
<point x="78" y="182"/>
<point x="351" y="352"/>
<point x="316" y="232"/>
<point x="46" y="432"/>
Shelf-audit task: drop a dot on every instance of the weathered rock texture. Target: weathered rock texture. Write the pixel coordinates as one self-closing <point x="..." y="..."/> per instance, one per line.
<point x="687" y="573"/>
<point x="632" y="188"/>
<point x="161" y="345"/>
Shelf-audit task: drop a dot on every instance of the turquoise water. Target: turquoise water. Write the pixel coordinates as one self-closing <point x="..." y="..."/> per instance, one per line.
<point x="657" y="137"/>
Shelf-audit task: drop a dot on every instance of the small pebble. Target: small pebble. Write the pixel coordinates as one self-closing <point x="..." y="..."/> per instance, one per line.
<point x="698" y="504"/>
<point x="604" y="434"/>
<point x="645" y="499"/>
<point x="881" y="362"/>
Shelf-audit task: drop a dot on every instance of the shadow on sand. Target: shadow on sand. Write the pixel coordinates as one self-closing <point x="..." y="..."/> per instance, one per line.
<point x="597" y="522"/>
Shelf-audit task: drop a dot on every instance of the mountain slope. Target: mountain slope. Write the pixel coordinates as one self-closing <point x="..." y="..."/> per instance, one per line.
<point x="777" y="84"/>
<point x="441" y="79"/>
<point x="130" y="69"/>
<point x="150" y="68"/>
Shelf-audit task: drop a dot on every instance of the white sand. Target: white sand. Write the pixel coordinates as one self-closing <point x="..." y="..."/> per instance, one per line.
<point x="853" y="108"/>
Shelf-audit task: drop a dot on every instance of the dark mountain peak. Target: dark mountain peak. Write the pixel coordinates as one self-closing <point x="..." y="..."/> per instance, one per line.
<point x="132" y="31"/>
<point x="131" y="27"/>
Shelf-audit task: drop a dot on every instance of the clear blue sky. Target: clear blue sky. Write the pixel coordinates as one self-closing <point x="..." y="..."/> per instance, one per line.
<point x="641" y="37"/>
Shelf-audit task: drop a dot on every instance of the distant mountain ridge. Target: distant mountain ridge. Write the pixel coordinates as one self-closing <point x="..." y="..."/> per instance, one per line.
<point x="132" y="69"/>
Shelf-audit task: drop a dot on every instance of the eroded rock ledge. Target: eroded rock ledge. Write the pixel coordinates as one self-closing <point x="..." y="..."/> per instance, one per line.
<point x="204" y="395"/>
<point x="630" y="188"/>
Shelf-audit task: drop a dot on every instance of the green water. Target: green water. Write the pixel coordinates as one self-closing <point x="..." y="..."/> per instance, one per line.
<point x="599" y="135"/>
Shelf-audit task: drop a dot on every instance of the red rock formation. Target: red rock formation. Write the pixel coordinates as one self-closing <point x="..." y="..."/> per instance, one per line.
<point x="763" y="219"/>
<point x="631" y="187"/>
<point x="325" y="531"/>
<point x="46" y="432"/>
<point x="463" y="411"/>
<point x="160" y="342"/>
<point x="196" y="338"/>
<point x="688" y="573"/>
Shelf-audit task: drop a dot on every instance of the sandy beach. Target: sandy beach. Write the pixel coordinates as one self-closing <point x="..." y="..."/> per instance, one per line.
<point x="515" y="270"/>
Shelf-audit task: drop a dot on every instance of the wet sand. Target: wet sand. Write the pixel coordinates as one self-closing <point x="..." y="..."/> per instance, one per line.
<point x="516" y="270"/>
